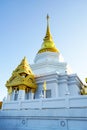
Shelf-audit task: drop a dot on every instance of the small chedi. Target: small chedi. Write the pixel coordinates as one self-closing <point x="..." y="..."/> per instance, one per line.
<point x="45" y="95"/>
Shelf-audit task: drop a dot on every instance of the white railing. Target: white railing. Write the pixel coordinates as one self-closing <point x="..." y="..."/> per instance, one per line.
<point x="63" y="102"/>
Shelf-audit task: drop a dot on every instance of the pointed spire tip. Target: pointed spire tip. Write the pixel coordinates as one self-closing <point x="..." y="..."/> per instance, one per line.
<point x="48" y="17"/>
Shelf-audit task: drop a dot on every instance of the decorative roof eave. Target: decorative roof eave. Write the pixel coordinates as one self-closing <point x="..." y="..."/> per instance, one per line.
<point x="30" y="85"/>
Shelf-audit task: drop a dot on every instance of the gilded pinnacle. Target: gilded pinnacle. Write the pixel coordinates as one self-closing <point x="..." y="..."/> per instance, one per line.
<point x="48" y="44"/>
<point x="48" y="19"/>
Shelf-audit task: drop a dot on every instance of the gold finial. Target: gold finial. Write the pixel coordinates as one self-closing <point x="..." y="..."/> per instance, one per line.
<point x="44" y="86"/>
<point x="48" y="19"/>
<point x="48" y="36"/>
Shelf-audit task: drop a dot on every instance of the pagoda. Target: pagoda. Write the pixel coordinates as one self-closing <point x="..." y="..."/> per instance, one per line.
<point x="45" y="95"/>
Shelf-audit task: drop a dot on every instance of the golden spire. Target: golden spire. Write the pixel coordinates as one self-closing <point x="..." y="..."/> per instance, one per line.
<point x="48" y="44"/>
<point x="48" y="34"/>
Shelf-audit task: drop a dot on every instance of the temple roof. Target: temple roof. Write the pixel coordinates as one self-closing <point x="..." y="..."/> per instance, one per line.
<point x="24" y="67"/>
<point x="22" y="75"/>
<point x="48" y="43"/>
